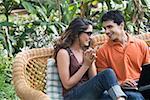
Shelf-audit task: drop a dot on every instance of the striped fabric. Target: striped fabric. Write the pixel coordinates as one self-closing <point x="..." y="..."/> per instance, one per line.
<point x="53" y="84"/>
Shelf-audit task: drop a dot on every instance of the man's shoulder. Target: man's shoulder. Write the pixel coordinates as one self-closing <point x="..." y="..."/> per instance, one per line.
<point x="104" y="47"/>
<point x="139" y="41"/>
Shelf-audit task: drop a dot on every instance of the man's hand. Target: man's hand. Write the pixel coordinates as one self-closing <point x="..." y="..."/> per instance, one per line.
<point x="129" y="84"/>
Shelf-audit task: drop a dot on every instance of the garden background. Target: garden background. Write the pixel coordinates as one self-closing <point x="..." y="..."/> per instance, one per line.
<point x="26" y="24"/>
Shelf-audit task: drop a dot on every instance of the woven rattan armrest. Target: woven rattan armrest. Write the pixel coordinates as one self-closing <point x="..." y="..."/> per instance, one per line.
<point x="29" y="73"/>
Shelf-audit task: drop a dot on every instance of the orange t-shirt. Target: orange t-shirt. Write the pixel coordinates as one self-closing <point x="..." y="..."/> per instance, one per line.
<point x="126" y="62"/>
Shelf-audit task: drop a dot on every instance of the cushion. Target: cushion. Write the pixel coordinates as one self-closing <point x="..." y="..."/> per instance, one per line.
<point x="53" y="83"/>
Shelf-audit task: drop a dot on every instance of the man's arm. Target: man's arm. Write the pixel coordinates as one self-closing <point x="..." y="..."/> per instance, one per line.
<point x="101" y="62"/>
<point x="146" y="52"/>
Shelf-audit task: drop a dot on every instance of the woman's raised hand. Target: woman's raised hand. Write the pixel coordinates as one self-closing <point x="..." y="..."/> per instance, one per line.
<point x="89" y="56"/>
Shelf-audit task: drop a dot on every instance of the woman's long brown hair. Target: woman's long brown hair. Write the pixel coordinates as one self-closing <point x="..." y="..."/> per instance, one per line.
<point x="75" y="28"/>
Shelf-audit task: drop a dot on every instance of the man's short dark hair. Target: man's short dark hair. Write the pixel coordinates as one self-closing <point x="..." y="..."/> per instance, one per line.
<point x="113" y="15"/>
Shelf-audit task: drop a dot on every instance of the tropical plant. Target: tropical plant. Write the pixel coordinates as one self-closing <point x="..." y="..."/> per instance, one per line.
<point x="6" y="89"/>
<point x="6" y="7"/>
<point x="47" y="19"/>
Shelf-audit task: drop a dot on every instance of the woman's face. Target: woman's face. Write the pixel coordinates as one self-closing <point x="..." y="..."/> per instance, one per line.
<point x="85" y="36"/>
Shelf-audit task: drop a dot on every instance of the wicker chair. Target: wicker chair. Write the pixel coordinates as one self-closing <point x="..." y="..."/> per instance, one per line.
<point x="29" y="73"/>
<point x="29" y="69"/>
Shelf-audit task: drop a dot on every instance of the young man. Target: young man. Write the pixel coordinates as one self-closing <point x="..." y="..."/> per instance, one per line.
<point x="123" y="53"/>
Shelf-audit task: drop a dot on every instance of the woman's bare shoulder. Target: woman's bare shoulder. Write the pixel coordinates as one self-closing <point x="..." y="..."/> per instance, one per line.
<point x="62" y="52"/>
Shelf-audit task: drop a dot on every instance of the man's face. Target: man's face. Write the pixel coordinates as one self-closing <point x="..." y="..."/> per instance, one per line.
<point x="113" y="30"/>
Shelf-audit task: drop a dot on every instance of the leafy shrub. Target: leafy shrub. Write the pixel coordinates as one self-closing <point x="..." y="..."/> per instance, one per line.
<point x="6" y="89"/>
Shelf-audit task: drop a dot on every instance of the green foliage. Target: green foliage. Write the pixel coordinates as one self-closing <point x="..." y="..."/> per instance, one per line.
<point x="6" y="7"/>
<point x="6" y="89"/>
<point x="47" y="19"/>
<point x="50" y="17"/>
<point x="69" y="10"/>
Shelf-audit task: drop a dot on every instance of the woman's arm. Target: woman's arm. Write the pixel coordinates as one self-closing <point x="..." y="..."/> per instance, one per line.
<point x="63" y="61"/>
<point x="92" y="70"/>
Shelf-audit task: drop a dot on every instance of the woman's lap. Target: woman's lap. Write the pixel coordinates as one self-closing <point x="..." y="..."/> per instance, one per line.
<point x="94" y="88"/>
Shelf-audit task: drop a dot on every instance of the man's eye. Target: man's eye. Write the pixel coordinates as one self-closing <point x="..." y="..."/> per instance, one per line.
<point x="109" y="26"/>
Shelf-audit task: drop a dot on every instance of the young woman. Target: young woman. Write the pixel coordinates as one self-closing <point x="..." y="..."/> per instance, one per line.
<point x="76" y="66"/>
